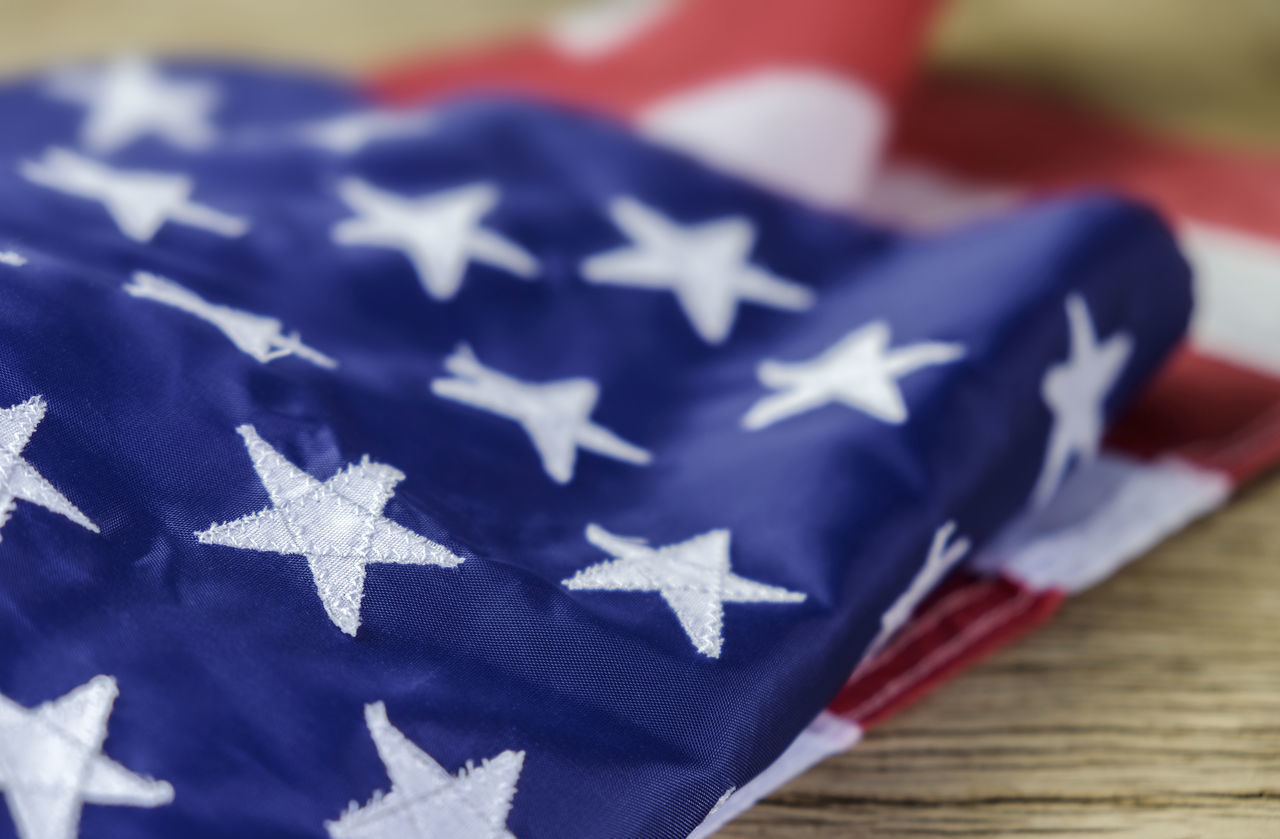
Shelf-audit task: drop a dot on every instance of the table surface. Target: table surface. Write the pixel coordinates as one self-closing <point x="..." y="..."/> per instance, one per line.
<point x="1150" y="706"/>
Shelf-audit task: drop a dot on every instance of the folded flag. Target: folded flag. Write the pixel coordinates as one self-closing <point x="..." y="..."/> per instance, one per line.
<point x="955" y="152"/>
<point x="487" y="471"/>
<point x="501" y="475"/>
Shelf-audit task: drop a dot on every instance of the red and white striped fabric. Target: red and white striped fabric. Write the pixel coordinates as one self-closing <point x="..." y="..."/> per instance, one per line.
<point x="799" y="100"/>
<point x="818" y="103"/>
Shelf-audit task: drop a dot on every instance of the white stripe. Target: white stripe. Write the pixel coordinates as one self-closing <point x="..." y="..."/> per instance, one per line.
<point x="827" y="735"/>
<point x="1107" y="513"/>
<point x="809" y="134"/>
<point x="1237" y="294"/>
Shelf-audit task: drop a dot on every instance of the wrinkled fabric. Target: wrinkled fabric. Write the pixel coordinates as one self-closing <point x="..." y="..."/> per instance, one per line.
<point x="234" y="686"/>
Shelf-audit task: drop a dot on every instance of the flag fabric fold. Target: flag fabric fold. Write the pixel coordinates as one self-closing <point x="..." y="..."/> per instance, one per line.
<point x="508" y="475"/>
<point x="493" y="469"/>
<point x="962" y="150"/>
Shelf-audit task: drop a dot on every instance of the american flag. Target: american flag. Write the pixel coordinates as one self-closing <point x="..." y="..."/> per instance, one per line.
<point x="486" y="467"/>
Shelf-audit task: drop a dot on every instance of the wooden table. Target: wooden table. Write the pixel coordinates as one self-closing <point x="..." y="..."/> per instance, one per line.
<point x="1150" y="708"/>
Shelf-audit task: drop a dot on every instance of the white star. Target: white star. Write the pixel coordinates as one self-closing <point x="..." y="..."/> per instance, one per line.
<point x="1076" y="392"/>
<point x="706" y="265"/>
<point x="337" y="525"/>
<point x="129" y="99"/>
<point x="859" y="370"/>
<point x="12" y="259"/>
<point x="692" y="576"/>
<point x="349" y="133"/>
<point x="257" y="336"/>
<point x="18" y="478"/>
<point x="140" y="202"/>
<point x="943" y="555"/>
<point x="556" y="415"/>
<point x="711" y="822"/>
<point x="440" y="233"/>
<point x="427" y="802"/>
<point x="51" y="762"/>
<point x="720" y="803"/>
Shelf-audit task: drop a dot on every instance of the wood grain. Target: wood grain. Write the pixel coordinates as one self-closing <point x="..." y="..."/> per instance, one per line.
<point x="1150" y="708"/>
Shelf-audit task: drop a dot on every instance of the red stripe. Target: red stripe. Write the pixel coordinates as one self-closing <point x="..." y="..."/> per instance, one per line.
<point x="968" y="619"/>
<point x="1211" y="412"/>
<point x="699" y="41"/>
<point x="1030" y="141"/>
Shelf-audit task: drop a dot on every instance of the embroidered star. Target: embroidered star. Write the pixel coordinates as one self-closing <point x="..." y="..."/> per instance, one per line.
<point x="426" y="801"/>
<point x="440" y="233"/>
<point x="1076" y="392"/>
<point x="337" y="525"/>
<point x="712" y="821"/>
<point x="51" y="762"/>
<point x="706" y="266"/>
<point x="943" y="556"/>
<point x="257" y="336"/>
<point x="720" y="804"/>
<point x="349" y="133"/>
<point x="129" y="99"/>
<point x="12" y="259"/>
<point x="556" y="415"/>
<point x="860" y="371"/>
<point x="140" y="202"/>
<point x="693" y="577"/>
<point x="19" y="480"/>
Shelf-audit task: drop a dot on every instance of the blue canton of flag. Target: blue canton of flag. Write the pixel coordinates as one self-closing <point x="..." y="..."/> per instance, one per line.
<point x="484" y="472"/>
